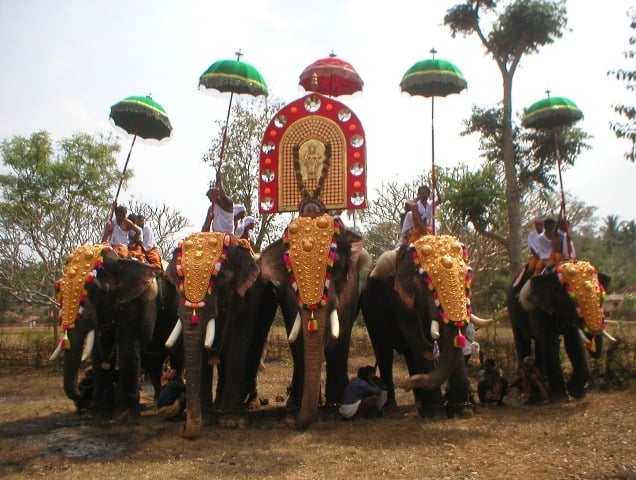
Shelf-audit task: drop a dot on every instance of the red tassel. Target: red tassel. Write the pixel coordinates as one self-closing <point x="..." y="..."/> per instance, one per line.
<point x="66" y="343"/>
<point x="194" y="319"/>
<point x="312" y="325"/>
<point x="460" y="341"/>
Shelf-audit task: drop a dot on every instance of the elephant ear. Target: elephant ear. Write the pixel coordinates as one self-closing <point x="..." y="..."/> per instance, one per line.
<point x="405" y="277"/>
<point x="604" y="279"/>
<point x="544" y="290"/>
<point x="244" y="267"/>
<point x="272" y="265"/>
<point x="130" y="278"/>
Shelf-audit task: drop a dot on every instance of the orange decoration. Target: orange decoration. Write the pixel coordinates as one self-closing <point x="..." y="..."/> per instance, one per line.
<point x="273" y="133"/>
<point x="357" y="184"/>
<point x="329" y="107"/>
<point x="267" y="190"/>
<point x="293" y="109"/>
<point x="356" y="155"/>
<point x="352" y="127"/>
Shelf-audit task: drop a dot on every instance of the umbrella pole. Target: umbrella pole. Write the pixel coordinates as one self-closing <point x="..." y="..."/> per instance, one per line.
<point x="227" y="121"/>
<point x="121" y="179"/>
<point x="562" y="210"/>
<point x="433" y="181"/>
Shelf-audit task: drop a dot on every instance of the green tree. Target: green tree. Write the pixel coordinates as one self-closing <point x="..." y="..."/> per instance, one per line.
<point x="627" y="128"/>
<point x="522" y="28"/>
<point x="248" y="121"/>
<point x="52" y="201"/>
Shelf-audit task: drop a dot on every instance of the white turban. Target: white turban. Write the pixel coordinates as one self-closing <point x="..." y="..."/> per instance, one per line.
<point x="239" y="209"/>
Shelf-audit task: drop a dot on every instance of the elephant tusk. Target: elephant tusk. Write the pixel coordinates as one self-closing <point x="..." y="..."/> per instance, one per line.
<point x="583" y="337"/>
<point x="435" y="329"/>
<point x="56" y="352"/>
<point x="334" y="323"/>
<point x="88" y="345"/>
<point x="210" y="329"/>
<point x="174" y="335"/>
<point x="293" y="335"/>
<point x="609" y="336"/>
<point x="480" y="322"/>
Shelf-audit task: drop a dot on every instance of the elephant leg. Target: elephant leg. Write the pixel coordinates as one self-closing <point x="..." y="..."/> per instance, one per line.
<point x="337" y="357"/>
<point x="577" y="385"/>
<point x="548" y="356"/>
<point x="104" y="375"/>
<point x="127" y="388"/>
<point x="458" y="393"/>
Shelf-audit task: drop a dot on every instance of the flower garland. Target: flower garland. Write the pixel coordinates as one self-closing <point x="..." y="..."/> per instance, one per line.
<point x="65" y="342"/>
<point x="312" y="325"/>
<point x="194" y="318"/>
<point x="591" y="345"/>
<point x="460" y="340"/>
<point x="323" y="173"/>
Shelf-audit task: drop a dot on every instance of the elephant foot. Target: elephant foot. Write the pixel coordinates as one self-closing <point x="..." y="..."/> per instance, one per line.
<point x="232" y="421"/>
<point x="460" y="410"/>
<point x="129" y="414"/>
<point x="431" y="412"/>
<point x="577" y="393"/>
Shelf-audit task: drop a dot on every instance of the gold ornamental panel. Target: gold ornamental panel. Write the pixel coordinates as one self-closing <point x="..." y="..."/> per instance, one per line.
<point x="311" y="135"/>
<point x="78" y="265"/>
<point x="199" y="254"/>
<point x="582" y="278"/>
<point x="442" y="257"/>
<point x="309" y="244"/>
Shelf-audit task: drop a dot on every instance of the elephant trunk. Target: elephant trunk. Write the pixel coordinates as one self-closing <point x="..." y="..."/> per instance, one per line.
<point x="448" y="360"/>
<point x="193" y="350"/>
<point x="314" y="343"/>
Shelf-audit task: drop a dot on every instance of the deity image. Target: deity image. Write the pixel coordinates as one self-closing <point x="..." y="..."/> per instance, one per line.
<point x="312" y="157"/>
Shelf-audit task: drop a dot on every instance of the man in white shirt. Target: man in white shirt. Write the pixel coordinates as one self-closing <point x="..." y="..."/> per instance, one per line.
<point x="148" y="244"/>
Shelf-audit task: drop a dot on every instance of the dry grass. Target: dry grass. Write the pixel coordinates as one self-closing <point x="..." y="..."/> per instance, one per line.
<point x="589" y="439"/>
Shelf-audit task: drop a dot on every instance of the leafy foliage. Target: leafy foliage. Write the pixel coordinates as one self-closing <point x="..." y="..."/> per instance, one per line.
<point x="522" y="27"/>
<point x="52" y="201"/>
<point x="627" y="128"/>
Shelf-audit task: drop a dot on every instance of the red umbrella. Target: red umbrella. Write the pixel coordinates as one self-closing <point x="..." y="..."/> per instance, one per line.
<point x="332" y="77"/>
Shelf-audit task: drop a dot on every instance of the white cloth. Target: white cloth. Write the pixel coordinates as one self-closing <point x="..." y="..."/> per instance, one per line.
<point x="564" y="242"/>
<point x="119" y="236"/>
<point x="223" y="221"/>
<point x="426" y="214"/>
<point x="147" y="239"/>
<point x="533" y="242"/>
<point x="545" y="247"/>
<point x="240" y="228"/>
<point x="238" y="208"/>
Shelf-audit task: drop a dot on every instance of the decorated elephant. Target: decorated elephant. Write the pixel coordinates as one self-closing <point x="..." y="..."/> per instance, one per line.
<point x="565" y="302"/>
<point x="119" y="313"/>
<point x="316" y="268"/>
<point x="214" y="274"/>
<point x="417" y="302"/>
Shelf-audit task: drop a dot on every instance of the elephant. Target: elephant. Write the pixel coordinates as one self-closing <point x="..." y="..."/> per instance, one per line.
<point x="214" y="274"/>
<point x="316" y="268"/>
<point x="119" y="312"/>
<point x="566" y="301"/>
<point x="417" y="302"/>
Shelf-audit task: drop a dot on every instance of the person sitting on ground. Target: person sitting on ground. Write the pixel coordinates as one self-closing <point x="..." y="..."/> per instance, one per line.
<point x="534" y="386"/>
<point x="492" y="385"/>
<point x="148" y="244"/>
<point x="171" y="402"/>
<point x="123" y="235"/>
<point x="220" y="216"/>
<point x="239" y="215"/>
<point x="363" y="395"/>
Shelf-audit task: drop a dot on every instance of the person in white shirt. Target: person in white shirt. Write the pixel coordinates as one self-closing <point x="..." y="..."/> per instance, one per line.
<point x="220" y="216"/>
<point x="148" y="243"/>
<point x="418" y="220"/>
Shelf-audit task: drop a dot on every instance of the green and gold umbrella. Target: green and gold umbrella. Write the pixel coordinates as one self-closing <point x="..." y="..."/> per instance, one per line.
<point x="139" y="116"/>
<point x="432" y="78"/>
<point x="236" y="78"/>
<point x="553" y="113"/>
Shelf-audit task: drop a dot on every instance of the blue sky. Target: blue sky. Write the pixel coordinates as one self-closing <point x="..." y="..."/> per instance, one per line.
<point x="65" y="62"/>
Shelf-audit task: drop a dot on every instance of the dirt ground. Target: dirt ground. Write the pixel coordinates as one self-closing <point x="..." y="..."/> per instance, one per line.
<point x="42" y="436"/>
